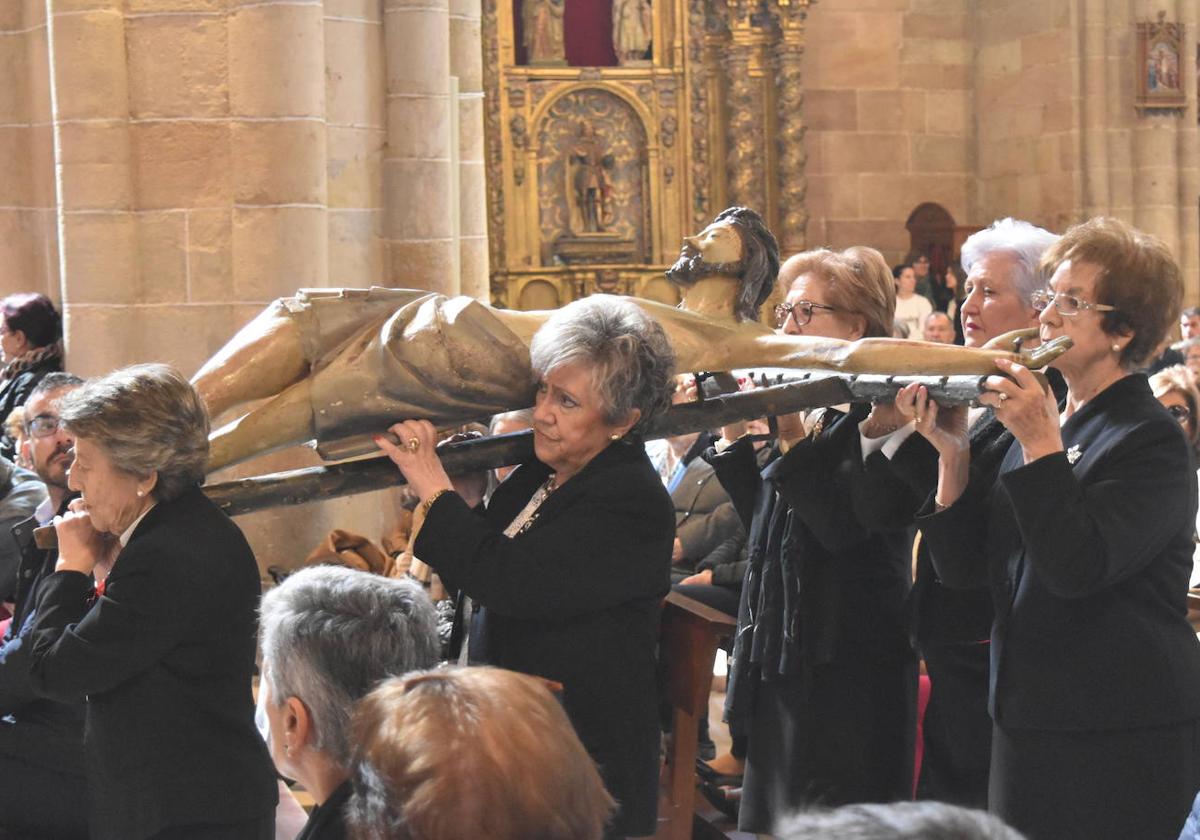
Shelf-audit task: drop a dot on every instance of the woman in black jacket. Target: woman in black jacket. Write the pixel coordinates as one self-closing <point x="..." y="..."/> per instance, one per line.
<point x="572" y="557"/>
<point x="822" y="674"/>
<point x="1086" y="541"/>
<point x="161" y="646"/>
<point x="30" y="347"/>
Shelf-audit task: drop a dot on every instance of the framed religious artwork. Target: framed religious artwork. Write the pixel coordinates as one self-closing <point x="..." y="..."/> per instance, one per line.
<point x="1160" y="65"/>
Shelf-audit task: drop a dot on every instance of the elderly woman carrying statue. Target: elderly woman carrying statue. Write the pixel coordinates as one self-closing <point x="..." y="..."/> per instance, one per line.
<point x="573" y="555"/>
<point x="338" y="364"/>
<point x="1085" y="537"/>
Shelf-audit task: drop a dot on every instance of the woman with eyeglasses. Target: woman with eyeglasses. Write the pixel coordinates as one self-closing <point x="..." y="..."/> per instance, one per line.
<point x="1175" y="388"/>
<point x="823" y="678"/>
<point x="1086" y="540"/>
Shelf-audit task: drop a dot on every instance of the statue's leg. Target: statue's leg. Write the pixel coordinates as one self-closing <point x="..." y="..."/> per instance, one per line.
<point x="284" y="421"/>
<point x="266" y="356"/>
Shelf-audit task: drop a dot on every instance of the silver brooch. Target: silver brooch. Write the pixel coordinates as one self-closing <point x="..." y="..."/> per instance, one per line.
<point x="1073" y="454"/>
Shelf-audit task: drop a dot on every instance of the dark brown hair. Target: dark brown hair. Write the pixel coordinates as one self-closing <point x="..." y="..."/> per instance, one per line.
<point x="34" y="315"/>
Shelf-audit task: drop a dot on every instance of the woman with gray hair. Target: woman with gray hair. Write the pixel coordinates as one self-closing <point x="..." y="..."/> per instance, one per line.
<point x="149" y="617"/>
<point x="573" y="555"/>
<point x="329" y="634"/>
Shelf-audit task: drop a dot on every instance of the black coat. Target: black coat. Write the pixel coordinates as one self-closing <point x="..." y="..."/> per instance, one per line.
<point x="43" y="731"/>
<point x="1088" y="564"/>
<point x="821" y="675"/>
<point x="164" y="659"/>
<point x="575" y="599"/>
<point x="328" y="820"/>
<point x="820" y="586"/>
<point x="16" y="391"/>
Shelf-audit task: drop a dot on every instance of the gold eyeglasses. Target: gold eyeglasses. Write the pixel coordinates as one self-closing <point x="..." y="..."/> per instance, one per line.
<point x="1065" y="304"/>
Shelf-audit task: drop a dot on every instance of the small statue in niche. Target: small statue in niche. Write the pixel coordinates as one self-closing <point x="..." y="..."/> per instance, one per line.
<point x="632" y="27"/>
<point x="542" y="24"/>
<point x="593" y="190"/>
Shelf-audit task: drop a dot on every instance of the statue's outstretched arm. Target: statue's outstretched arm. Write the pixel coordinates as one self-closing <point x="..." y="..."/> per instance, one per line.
<point x="266" y="356"/>
<point x="285" y="420"/>
<point x="713" y="345"/>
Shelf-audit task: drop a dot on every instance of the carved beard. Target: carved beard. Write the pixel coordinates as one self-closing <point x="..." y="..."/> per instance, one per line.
<point x="691" y="267"/>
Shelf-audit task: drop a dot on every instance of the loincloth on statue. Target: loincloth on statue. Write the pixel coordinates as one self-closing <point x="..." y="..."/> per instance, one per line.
<point x="407" y="354"/>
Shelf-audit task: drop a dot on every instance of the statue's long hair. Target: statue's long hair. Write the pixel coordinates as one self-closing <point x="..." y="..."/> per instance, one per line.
<point x="760" y="260"/>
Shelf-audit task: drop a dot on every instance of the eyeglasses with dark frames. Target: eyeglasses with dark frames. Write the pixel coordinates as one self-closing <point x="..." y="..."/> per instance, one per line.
<point x="1065" y="304"/>
<point x="44" y="425"/>
<point x="801" y="311"/>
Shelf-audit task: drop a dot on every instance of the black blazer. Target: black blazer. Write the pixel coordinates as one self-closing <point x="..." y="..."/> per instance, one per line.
<point x="164" y="659"/>
<point x="1088" y="555"/>
<point x="575" y="599"/>
<point x="821" y="587"/>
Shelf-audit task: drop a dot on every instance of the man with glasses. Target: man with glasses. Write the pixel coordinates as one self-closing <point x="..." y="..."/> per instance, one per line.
<point x="41" y="740"/>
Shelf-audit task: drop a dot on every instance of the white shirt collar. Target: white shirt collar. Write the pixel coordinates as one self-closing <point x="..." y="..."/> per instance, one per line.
<point x="129" y="531"/>
<point x="43" y="514"/>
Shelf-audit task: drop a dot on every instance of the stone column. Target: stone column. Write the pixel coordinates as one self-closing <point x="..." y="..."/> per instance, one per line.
<point x="1188" y="157"/>
<point x="277" y="109"/>
<point x="466" y="64"/>
<point x="417" y="177"/>
<point x="28" y="222"/>
<point x="100" y="271"/>
<point x="356" y="133"/>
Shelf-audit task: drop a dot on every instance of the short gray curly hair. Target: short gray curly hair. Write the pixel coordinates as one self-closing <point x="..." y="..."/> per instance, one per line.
<point x="148" y="419"/>
<point x="631" y="360"/>
<point x="330" y="634"/>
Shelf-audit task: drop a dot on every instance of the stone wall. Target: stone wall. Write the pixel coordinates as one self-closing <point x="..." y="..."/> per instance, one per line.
<point x="1007" y="108"/>
<point x="889" y="105"/>
<point x="28" y="236"/>
<point x="1059" y="137"/>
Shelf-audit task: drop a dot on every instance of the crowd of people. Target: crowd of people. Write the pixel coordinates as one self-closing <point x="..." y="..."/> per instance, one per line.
<point x="979" y="608"/>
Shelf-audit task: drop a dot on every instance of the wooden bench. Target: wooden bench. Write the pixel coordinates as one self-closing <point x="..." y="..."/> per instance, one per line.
<point x="691" y="632"/>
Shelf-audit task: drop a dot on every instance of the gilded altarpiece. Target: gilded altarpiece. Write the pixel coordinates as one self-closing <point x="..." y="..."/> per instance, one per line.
<point x="596" y="173"/>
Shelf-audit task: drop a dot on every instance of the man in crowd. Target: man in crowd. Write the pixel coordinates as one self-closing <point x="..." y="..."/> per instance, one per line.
<point x="939" y="328"/>
<point x="41" y="740"/>
<point x="1189" y="323"/>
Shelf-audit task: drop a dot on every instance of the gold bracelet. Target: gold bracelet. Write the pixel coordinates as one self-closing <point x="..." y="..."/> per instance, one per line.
<point x="428" y="503"/>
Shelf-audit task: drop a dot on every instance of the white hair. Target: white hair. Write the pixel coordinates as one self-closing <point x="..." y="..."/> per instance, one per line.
<point x="330" y="634"/>
<point x="1024" y="241"/>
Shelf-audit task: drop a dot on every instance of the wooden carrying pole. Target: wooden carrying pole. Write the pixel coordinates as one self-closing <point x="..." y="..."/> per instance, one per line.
<point x="805" y="392"/>
<point x="800" y="391"/>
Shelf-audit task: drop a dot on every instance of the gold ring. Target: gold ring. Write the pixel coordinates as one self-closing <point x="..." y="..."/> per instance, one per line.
<point x="917" y="419"/>
<point x="1003" y="396"/>
<point x="413" y="444"/>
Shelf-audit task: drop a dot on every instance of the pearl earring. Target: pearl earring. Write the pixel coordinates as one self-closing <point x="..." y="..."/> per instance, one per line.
<point x="1116" y="348"/>
<point x="141" y="493"/>
<point x="614" y="436"/>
